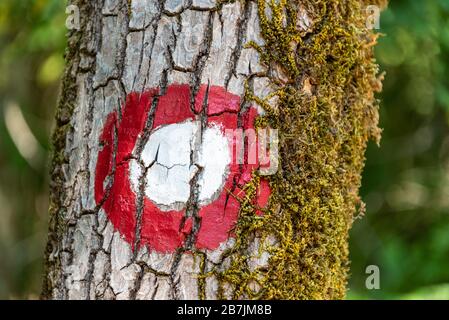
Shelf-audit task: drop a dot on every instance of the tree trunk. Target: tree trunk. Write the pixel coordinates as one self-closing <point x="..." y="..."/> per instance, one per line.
<point x="148" y="199"/>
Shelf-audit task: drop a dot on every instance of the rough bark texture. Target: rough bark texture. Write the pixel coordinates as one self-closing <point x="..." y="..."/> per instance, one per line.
<point x="130" y="46"/>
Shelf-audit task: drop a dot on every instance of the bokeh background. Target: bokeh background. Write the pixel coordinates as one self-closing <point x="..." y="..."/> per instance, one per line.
<point x="406" y="182"/>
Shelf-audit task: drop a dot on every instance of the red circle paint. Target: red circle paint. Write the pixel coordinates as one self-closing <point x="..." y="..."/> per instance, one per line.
<point x="166" y="231"/>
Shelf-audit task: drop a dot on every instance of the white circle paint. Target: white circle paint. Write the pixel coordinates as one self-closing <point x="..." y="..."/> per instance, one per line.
<point x="172" y="157"/>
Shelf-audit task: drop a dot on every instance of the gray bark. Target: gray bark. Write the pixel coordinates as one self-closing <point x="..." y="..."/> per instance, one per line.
<point x="124" y="46"/>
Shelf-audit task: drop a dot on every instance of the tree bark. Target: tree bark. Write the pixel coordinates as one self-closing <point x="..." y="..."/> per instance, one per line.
<point x="154" y="49"/>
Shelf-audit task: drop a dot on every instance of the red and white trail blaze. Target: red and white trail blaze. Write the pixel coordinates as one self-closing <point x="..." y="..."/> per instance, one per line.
<point x="163" y="164"/>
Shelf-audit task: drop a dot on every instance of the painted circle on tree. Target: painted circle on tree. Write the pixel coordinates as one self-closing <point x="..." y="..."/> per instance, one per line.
<point x="175" y="153"/>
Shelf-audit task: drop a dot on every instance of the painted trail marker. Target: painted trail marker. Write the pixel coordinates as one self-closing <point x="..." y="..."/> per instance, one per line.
<point x="159" y="159"/>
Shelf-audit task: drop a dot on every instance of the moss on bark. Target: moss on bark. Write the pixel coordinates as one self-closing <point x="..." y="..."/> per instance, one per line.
<point x="326" y="114"/>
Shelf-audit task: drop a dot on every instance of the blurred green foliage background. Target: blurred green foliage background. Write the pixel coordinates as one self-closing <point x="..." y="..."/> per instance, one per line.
<point x="406" y="182"/>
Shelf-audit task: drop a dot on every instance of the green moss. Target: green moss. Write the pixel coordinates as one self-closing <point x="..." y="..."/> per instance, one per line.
<point x="326" y="114"/>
